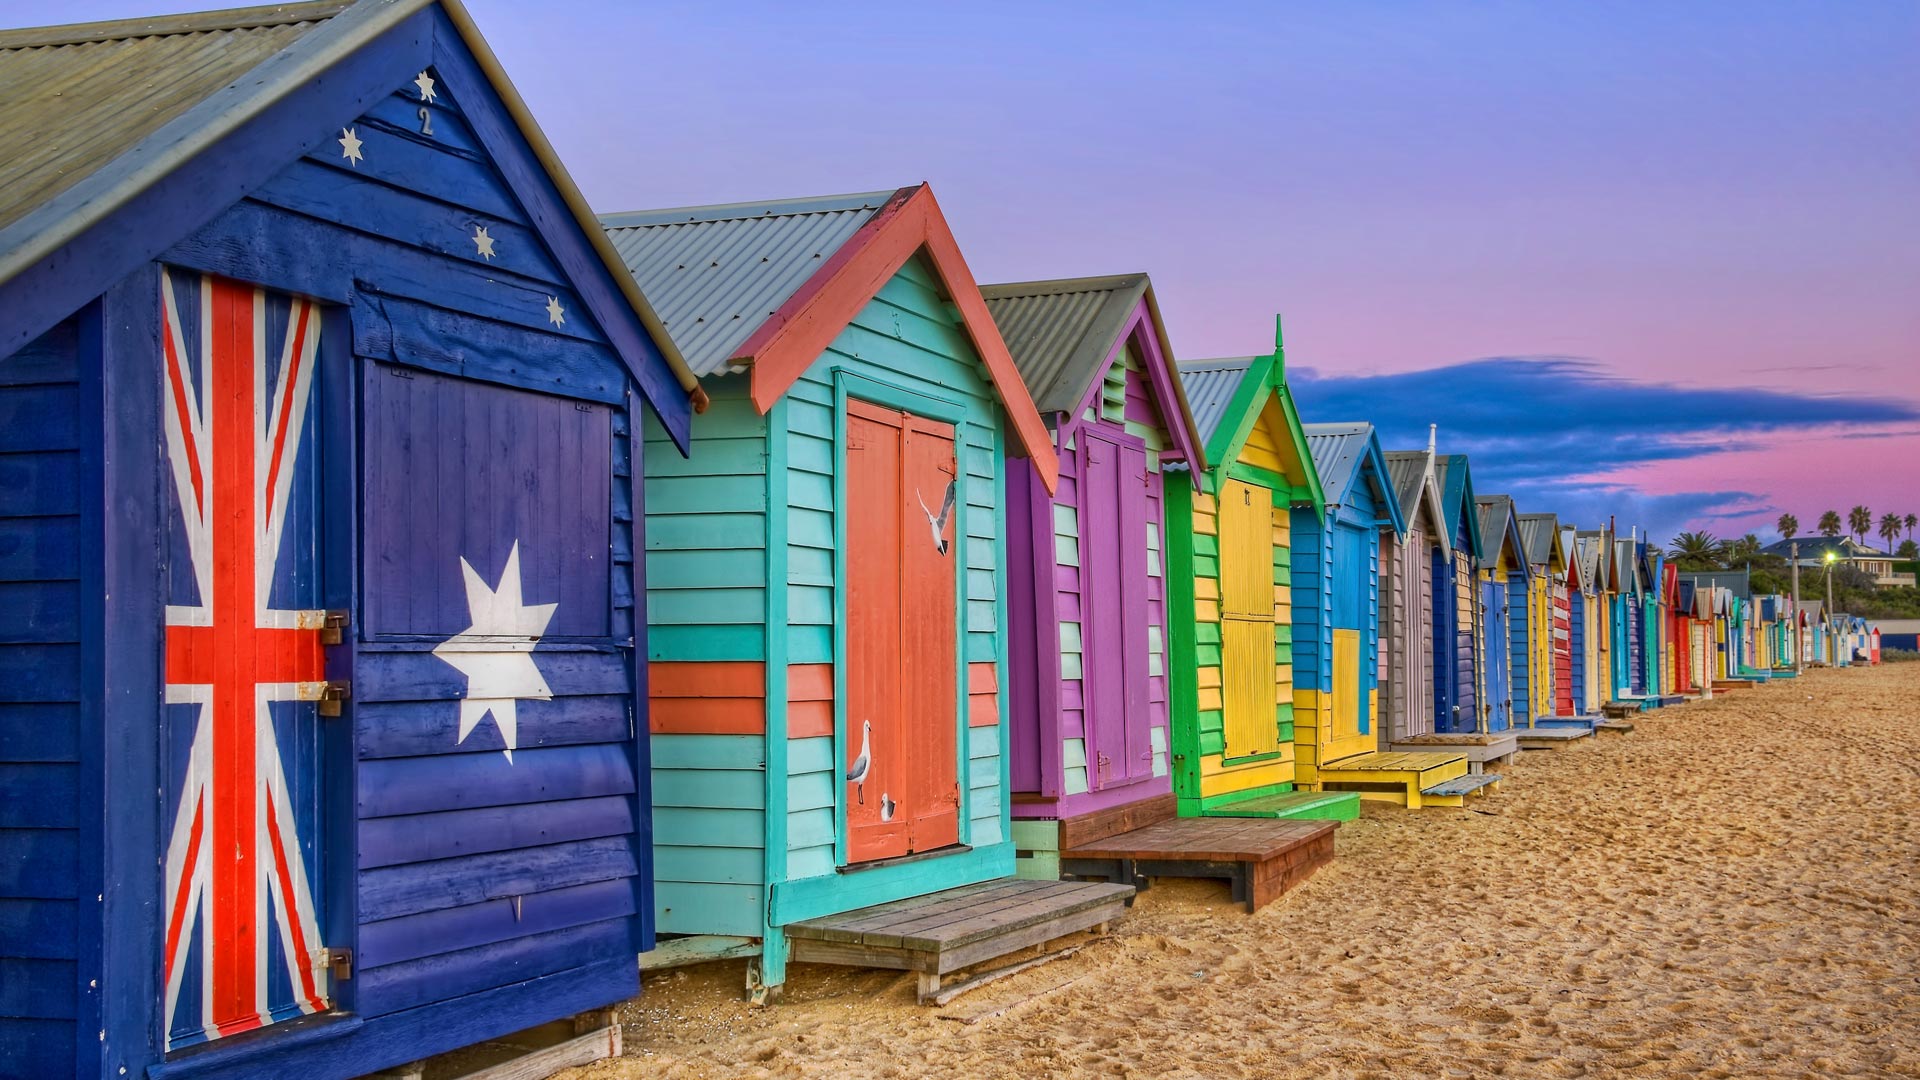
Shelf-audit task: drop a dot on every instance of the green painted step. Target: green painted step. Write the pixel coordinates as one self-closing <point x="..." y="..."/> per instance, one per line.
<point x="1317" y="805"/>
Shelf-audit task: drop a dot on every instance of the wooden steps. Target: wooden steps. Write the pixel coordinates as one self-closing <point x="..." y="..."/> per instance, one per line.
<point x="1259" y="857"/>
<point x="1464" y="785"/>
<point x="1483" y="749"/>
<point x="1617" y="727"/>
<point x="943" y="932"/>
<point x="1301" y="805"/>
<point x="1399" y="777"/>
<point x="1722" y="685"/>
<point x="1582" y="722"/>
<point x="1552" y="738"/>
<point x="1619" y="710"/>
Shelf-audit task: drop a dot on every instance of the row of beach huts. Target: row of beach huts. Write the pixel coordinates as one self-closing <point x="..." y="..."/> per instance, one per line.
<point x="421" y="594"/>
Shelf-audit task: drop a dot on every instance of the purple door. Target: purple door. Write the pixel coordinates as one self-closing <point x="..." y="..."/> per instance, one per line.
<point x="1113" y="560"/>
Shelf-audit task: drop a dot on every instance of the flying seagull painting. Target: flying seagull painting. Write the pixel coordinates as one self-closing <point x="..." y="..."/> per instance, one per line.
<point x="938" y="524"/>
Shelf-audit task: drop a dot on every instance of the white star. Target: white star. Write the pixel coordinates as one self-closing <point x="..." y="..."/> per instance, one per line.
<point x="425" y="83"/>
<point x="556" y="314"/>
<point x="350" y="146"/>
<point x="496" y="652"/>
<point x="482" y="243"/>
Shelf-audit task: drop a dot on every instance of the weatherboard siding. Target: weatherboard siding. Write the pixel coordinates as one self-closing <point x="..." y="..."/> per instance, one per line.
<point x="40" y="750"/>
<point x="706" y="647"/>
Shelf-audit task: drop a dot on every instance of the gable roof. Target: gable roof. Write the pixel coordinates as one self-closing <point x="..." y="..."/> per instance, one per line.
<point x="151" y="95"/>
<point x="1063" y="336"/>
<point x="1541" y="535"/>
<point x="1347" y="454"/>
<point x="1210" y="385"/>
<point x="715" y="273"/>
<point x="1455" y="481"/>
<point x="1497" y="520"/>
<point x="1570" y="550"/>
<point x="821" y="261"/>
<point x="1228" y="397"/>
<point x="1593" y="568"/>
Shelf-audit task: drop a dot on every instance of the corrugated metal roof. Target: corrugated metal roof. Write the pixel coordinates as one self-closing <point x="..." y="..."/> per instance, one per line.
<point x="1210" y="385"/>
<point x="1537" y="532"/>
<point x="1408" y="470"/>
<point x="79" y="96"/>
<point x="1061" y="332"/>
<point x="1337" y="451"/>
<point x="1494" y="512"/>
<point x="1738" y="582"/>
<point x="715" y="273"/>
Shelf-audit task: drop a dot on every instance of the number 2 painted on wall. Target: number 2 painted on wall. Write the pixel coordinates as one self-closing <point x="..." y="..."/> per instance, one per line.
<point x="426" y="121"/>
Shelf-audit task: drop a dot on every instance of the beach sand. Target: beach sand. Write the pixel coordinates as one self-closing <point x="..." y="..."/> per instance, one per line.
<point x="1728" y="891"/>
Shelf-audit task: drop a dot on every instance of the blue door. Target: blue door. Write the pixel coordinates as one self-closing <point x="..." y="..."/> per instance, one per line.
<point x="1445" y="618"/>
<point x="1577" y="628"/>
<point x="1499" y="703"/>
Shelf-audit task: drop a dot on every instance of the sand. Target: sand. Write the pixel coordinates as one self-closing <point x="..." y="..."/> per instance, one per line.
<point x="1729" y="891"/>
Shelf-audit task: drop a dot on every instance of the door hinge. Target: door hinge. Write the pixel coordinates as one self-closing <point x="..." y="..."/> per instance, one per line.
<point x="339" y="962"/>
<point x="333" y="627"/>
<point x="332" y="695"/>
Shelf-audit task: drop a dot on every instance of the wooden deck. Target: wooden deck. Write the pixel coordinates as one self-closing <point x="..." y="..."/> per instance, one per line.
<point x="1483" y="749"/>
<point x="1550" y="738"/>
<point x="1260" y="857"/>
<point x="1396" y="776"/>
<point x="943" y="932"/>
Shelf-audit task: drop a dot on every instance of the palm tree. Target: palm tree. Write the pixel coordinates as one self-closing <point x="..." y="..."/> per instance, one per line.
<point x="1788" y="525"/>
<point x="1696" y="551"/>
<point x="1741" y="552"/>
<point x="1859" y="520"/>
<point x="1912" y="520"/>
<point x="1830" y="523"/>
<point x="1890" y="528"/>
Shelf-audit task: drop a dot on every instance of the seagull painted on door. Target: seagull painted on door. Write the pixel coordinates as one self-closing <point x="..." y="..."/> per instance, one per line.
<point x="887" y="807"/>
<point x="938" y="523"/>
<point x="857" y="776"/>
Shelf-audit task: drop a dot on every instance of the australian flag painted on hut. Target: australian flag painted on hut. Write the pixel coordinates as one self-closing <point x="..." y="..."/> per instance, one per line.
<point x="319" y="397"/>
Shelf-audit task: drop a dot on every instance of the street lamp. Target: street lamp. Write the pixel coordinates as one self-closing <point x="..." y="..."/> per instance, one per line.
<point x="1830" y="559"/>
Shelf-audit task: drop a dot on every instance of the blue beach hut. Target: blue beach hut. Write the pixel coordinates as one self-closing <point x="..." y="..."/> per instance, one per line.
<point x="319" y="409"/>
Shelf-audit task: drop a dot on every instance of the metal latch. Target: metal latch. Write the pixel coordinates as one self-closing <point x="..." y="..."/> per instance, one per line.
<point x="333" y="627"/>
<point x="332" y="695"/>
<point x="339" y="962"/>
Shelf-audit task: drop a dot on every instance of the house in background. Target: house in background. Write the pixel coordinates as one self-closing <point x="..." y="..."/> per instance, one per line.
<point x="1886" y="570"/>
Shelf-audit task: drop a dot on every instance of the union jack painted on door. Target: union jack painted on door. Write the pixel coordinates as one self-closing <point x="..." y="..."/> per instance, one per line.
<point x="244" y="664"/>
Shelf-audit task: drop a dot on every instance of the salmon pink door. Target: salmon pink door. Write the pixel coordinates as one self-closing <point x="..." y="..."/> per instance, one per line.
<point x="902" y="717"/>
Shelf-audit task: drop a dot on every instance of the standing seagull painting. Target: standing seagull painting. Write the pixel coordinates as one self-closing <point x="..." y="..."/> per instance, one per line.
<point x="939" y="524"/>
<point x="857" y="776"/>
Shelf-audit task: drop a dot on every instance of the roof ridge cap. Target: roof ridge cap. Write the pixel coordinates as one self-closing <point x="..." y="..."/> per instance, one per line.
<point x="197" y="22"/>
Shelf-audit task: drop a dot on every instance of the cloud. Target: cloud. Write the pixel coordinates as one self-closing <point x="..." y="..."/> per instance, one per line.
<point x="1560" y="434"/>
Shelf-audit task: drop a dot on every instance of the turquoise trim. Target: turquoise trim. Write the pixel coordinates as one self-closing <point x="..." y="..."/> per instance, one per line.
<point x="879" y="392"/>
<point x="792" y="901"/>
<point x="773" y="949"/>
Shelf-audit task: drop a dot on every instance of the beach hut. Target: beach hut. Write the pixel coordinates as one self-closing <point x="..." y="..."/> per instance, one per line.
<point x="826" y="583"/>
<point x="1336" y="634"/>
<point x="319" y="391"/>
<point x="1088" y="718"/>
<point x="1503" y="569"/>
<point x="1409" y="655"/>
<point x="1229" y="573"/>
<point x="1549" y="608"/>
<point x="1457" y="670"/>
<point x="1629" y="614"/>
<point x="1596" y="572"/>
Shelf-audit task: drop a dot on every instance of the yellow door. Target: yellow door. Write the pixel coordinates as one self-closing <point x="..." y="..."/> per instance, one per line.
<point x="1250" y="720"/>
<point x="1344" y="737"/>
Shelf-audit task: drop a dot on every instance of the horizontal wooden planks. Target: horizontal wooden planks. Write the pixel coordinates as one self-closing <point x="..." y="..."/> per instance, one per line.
<point x="1207" y="839"/>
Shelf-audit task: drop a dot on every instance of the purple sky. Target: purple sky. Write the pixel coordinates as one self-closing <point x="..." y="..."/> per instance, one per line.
<point x="1716" y="196"/>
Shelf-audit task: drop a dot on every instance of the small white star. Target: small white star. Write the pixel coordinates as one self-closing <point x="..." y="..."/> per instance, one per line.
<point x="483" y="244"/>
<point x="350" y="146"/>
<point x="425" y="83"/>
<point x="556" y="314"/>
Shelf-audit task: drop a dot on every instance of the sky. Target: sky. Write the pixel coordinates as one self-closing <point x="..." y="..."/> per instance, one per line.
<point x="1653" y="261"/>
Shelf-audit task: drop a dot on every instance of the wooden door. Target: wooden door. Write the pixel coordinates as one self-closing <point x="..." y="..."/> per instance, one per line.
<point x="1250" y="718"/>
<point x="1113" y="568"/>
<point x="902" y="717"/>
<point x="244" y="665"/>
<point x="1498" y="706"/>
<point x="1347" y="736"/>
